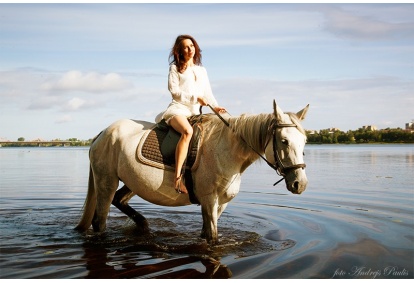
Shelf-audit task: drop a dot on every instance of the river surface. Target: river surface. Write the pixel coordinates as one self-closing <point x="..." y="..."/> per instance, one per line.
<point x="355" y="220"/>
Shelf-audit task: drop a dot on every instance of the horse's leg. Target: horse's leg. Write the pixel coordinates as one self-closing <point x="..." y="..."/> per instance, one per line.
<point x="210" y="212"/>
<point x="121" y="199"/>
<point x="220" y="210"/>
<point x="105" y="190"/>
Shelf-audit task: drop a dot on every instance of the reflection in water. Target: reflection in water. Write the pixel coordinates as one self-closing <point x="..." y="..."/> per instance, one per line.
<point x="175" y="252"/>
<point x="132" y="262"/>
<point x="368" y="259"/>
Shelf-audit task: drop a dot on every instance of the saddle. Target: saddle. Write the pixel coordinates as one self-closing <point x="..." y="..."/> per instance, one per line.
<point x="157" y="149"/>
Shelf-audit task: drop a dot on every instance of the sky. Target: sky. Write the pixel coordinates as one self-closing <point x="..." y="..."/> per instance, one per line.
<point x="70" y="70"/>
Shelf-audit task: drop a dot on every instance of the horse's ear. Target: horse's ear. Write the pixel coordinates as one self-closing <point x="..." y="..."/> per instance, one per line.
<point x="278" y="112"/>
<point x="302" y="113"/>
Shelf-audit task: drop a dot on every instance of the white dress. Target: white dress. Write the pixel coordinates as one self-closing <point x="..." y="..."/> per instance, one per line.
<point x="185" y="88"/>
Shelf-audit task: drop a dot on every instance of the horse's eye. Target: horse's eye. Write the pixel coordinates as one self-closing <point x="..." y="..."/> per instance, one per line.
<point x="285" y="142"/>
<point x="303" y="153"/>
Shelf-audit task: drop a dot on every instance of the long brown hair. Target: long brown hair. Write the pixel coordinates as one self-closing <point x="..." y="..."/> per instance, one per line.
<point x="176" y="57"/>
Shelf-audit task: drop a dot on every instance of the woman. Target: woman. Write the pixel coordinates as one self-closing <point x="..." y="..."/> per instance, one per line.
<point x="190" y="87"/>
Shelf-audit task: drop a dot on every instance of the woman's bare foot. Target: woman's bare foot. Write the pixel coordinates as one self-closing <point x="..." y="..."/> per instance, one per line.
<point x="179" y="186"/>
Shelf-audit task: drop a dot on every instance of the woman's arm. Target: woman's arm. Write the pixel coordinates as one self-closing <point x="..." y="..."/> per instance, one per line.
<point x="208" y="97"/>
<point x="208" y="93"/>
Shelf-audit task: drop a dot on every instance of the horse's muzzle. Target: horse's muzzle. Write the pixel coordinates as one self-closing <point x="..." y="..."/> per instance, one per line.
<point x="298" y="183"/>
<point x="297" y="187"/>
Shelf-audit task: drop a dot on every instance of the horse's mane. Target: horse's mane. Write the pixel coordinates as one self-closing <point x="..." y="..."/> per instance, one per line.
<point x="254" y="129"/>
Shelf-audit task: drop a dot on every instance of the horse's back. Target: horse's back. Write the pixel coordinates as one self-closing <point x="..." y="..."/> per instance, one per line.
<point x="121" y="134"/>
<point x="128" y="126"/>
<point x="124" y="130"/>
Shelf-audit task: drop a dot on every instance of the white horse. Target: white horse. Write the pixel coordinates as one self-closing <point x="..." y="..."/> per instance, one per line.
<point x="225" y="151"/>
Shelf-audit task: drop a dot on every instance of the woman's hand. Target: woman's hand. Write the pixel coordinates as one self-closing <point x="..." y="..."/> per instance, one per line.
<point x="202" y="101"/>
<point x="220" y="109"/>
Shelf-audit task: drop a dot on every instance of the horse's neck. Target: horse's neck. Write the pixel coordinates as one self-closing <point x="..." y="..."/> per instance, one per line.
<point x="247" y="137"/>
<point x="252" y="131"/>
<point x="237" y="145"/>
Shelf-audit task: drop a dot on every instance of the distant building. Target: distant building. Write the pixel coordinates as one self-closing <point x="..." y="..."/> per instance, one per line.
<point x="409" y="126"/>
<point x="331" y="130"/>
<point x="369" y="128"/>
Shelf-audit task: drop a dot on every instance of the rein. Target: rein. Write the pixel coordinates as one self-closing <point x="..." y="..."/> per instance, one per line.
<point x="279" y="167"/>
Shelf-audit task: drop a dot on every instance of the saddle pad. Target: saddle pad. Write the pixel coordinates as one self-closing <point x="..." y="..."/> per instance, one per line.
<point x="149" y="150"/>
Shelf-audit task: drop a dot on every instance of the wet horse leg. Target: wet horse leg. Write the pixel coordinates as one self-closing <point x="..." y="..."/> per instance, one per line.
<point x="208" y="223"/>
<point x="105" y="188"/>
<point x="209" y="211"/>
<point x="120" y="201"/>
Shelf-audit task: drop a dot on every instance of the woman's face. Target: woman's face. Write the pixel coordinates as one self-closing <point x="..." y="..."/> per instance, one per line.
<point x="188" y="49"/>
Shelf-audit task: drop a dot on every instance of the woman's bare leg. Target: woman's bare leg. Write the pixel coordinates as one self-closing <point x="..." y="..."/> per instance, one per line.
<point x="181" y="125"/>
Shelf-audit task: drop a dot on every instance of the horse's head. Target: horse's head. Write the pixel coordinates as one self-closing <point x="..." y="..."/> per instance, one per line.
<point x="286" y="148"/>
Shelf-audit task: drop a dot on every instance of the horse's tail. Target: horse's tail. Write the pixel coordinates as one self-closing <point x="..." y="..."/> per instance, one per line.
<point x="89" y="206"/>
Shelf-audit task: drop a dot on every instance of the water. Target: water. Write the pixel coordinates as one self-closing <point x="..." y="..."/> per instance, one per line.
<point x="355" y="220"/>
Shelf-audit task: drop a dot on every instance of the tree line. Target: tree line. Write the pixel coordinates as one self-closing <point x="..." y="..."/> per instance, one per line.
<point x="21" y="142"/>
<point x="361" y="136"/>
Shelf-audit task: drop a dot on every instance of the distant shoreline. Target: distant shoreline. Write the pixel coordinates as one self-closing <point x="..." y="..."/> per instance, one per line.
<point x="359" y="143"/>
<point x="328" y="136"/>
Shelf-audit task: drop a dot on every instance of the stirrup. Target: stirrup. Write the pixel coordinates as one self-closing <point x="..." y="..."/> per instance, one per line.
<point x="181" y="189"/>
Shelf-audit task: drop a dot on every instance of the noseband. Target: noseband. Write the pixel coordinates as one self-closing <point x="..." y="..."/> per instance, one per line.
<point x="279" y="167"/>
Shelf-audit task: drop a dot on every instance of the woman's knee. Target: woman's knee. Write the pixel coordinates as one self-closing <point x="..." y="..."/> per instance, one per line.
<point x="187" y="134"/>
<point x="188" y="131"/>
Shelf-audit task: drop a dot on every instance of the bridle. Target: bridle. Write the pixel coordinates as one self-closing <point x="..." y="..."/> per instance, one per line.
<point x="279" y="167"/>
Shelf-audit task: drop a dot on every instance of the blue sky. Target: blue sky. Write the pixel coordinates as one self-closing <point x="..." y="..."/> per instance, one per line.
<point x="70" y="70"/>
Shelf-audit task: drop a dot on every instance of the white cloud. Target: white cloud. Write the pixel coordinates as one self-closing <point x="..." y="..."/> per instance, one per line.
<point x="88" y="82"/>
<point x="19" y="83"/>
<point x="75" y="103"/>
<point x="64" y="119"/>
<point x="354" y="25"/>
<point x="43" y="102"/>
<point x="34" y="89"/>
